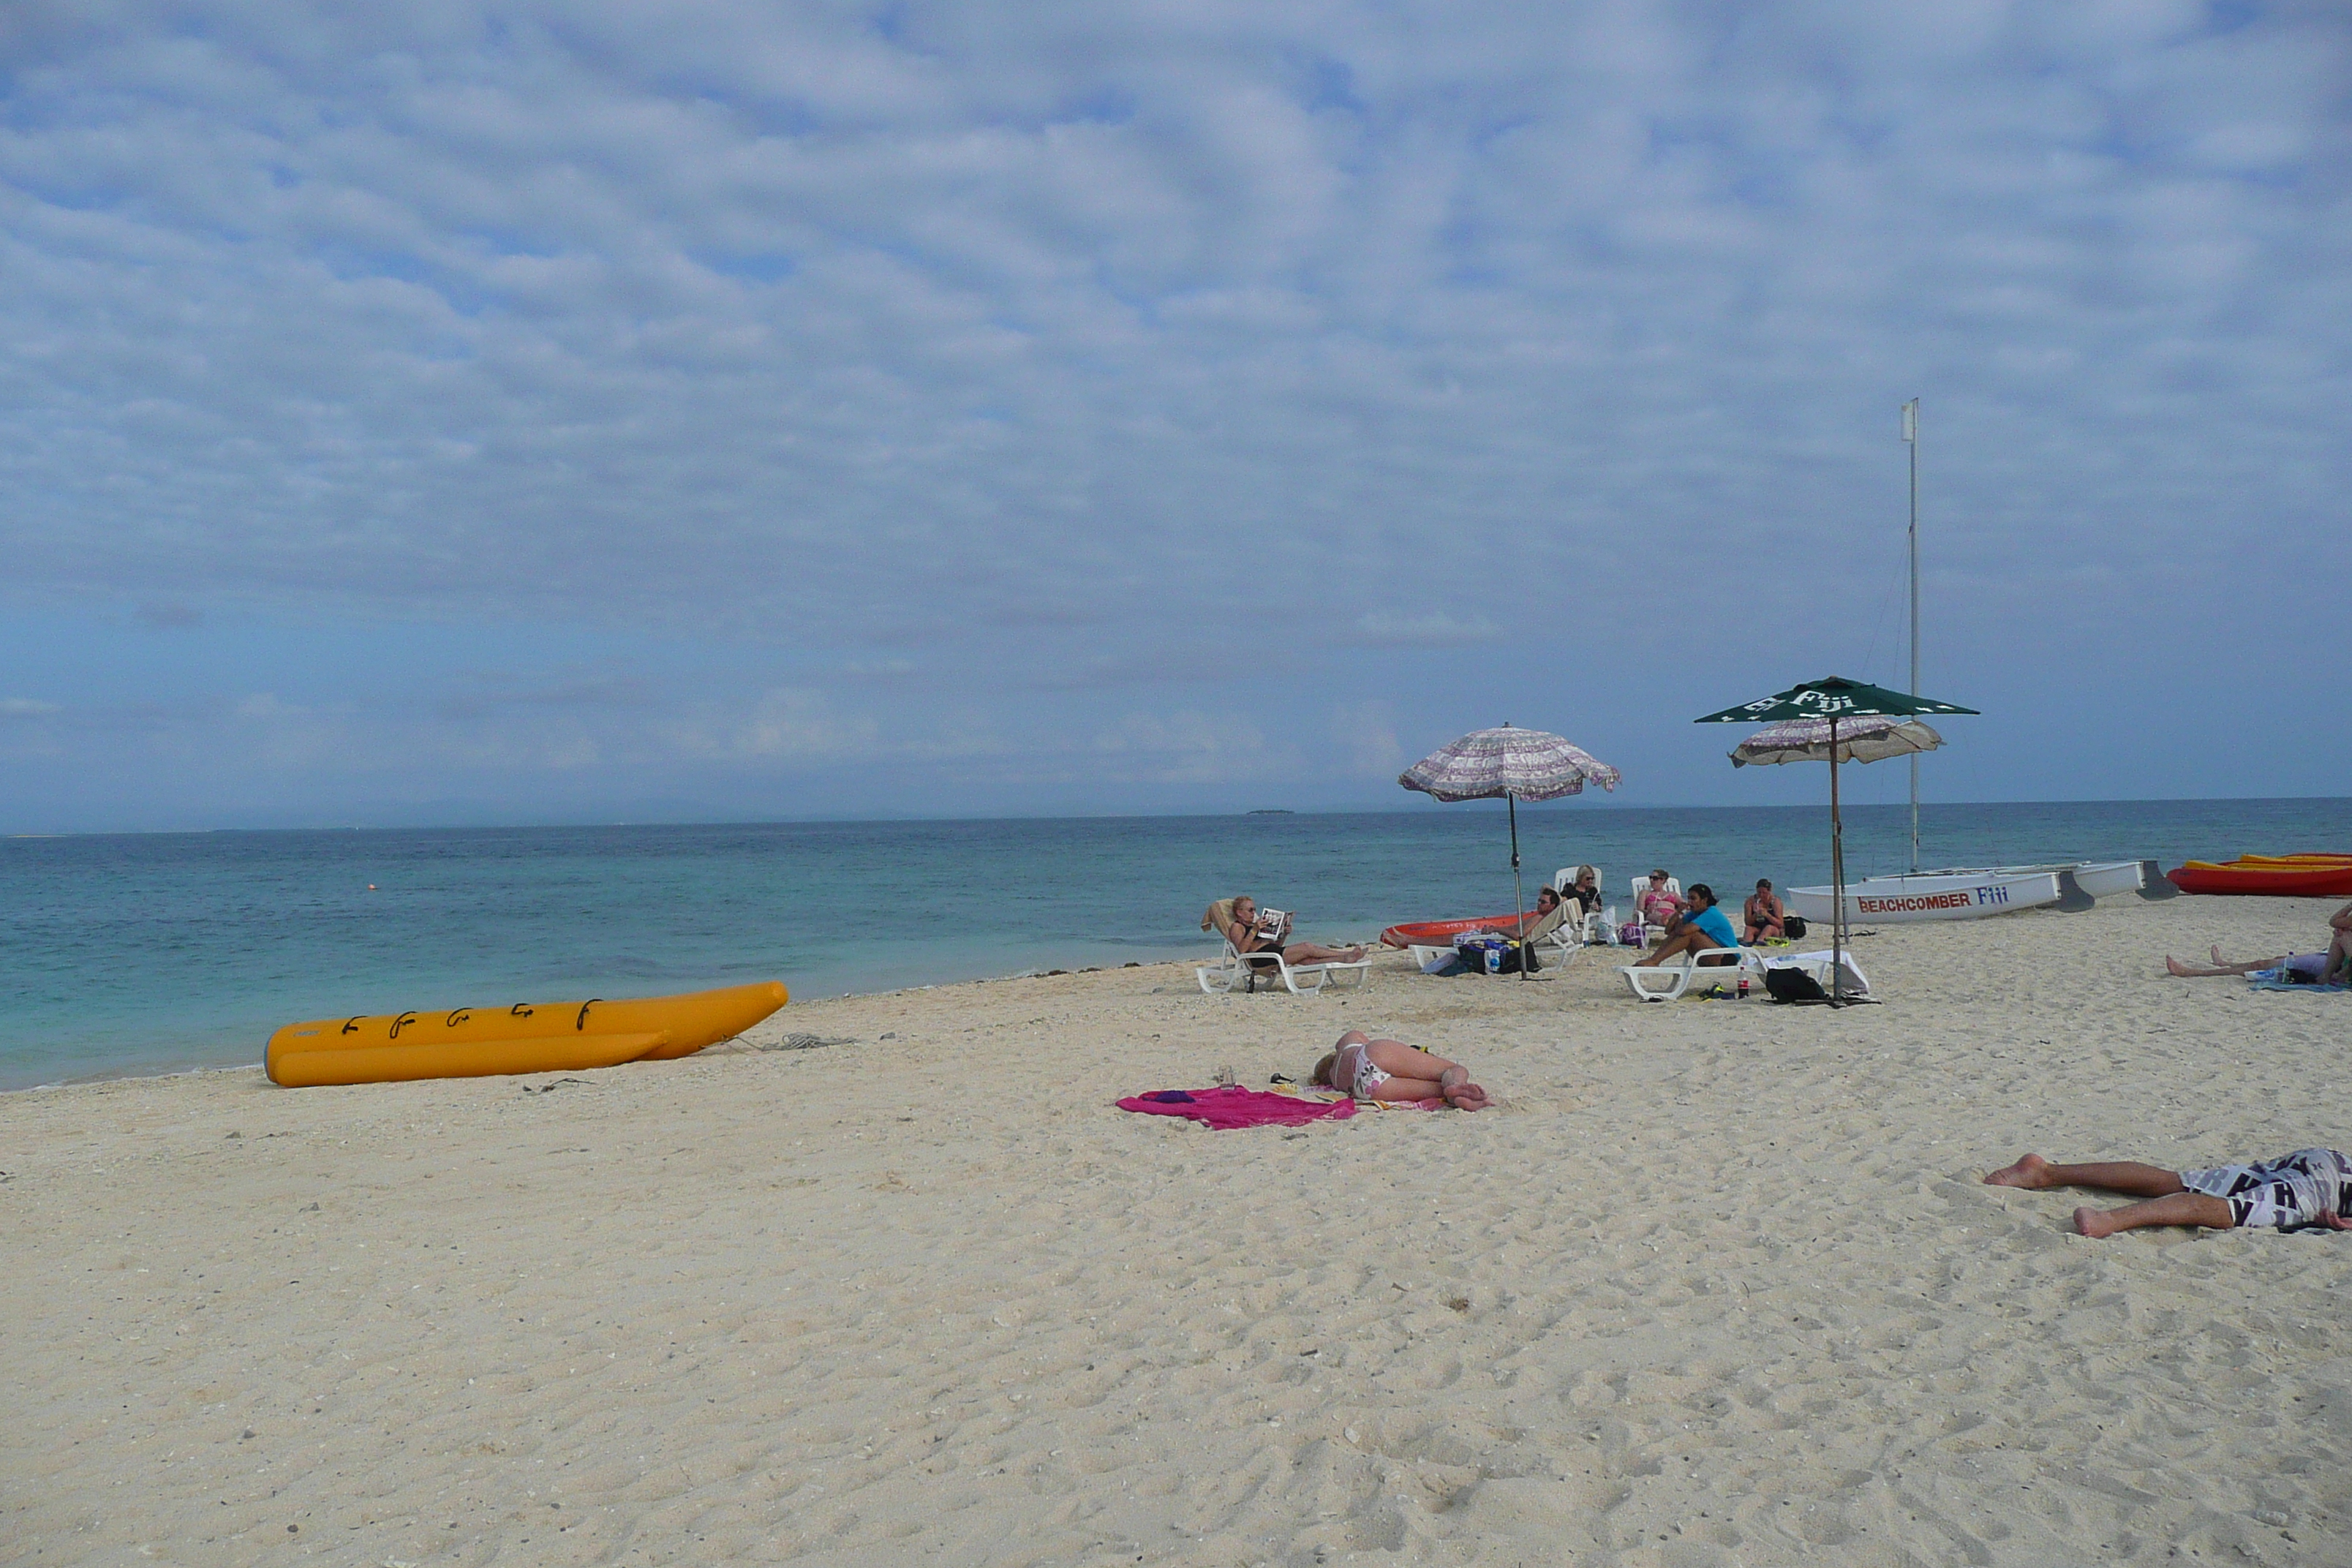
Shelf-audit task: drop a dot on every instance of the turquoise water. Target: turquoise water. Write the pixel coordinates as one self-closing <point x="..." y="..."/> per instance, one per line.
<point x="140" y="953"/>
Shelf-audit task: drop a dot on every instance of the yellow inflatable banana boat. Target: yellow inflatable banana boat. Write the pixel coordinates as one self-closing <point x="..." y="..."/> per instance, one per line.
<point x="528" y="1036"/>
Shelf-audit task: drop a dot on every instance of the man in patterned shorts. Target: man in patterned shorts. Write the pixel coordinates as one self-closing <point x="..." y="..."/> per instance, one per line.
<point x="2308" y="1187"/>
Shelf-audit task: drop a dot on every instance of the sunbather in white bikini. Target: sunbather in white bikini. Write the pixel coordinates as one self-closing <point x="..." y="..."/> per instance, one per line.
<point x="1390" y="1069"/>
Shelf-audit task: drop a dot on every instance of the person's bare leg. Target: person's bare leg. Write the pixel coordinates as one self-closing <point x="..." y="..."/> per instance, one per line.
<point x="1690" y="939"/>
<point x="2140" y="1181"/>
<point x="1299" y="953"/>
<point x="1417" y="1075"/>
<point x="2192" y="972"/>
<point x="2178" y="1208"/>
<point x="1396" y="1057"/>
<point x="1459" y="1092"/>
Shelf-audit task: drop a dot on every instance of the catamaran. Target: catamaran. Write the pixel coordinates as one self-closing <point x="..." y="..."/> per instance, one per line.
<point x="1963" y="892"/>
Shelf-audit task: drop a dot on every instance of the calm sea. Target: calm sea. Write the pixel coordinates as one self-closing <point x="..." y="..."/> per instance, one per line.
<point x="153" y="952"/>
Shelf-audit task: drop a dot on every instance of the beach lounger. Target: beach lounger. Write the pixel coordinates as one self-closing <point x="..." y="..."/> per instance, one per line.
<point x="1232" y="973"/>
<point x="1666" y="982"/>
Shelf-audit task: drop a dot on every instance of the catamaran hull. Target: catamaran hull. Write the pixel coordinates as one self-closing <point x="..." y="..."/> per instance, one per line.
<point x="2098" y="878"/>
<point x="1904" y="901"/>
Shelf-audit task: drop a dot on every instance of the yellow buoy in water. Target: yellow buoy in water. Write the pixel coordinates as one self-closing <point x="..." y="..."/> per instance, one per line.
<point x="527" y="1037"/>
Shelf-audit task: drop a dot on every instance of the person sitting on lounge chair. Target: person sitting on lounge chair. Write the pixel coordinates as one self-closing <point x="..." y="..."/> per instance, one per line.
<point x="2308" y="1187"/>
<point x="1550" y="913"/>
<point x="1656" y="906"/>
<point x="2310" y="968"/>
<point x="1704" y="927"/>
<point x="1765" y="919"/>
<point x="1252" y="936"/>
<point x="1585" y="889"/>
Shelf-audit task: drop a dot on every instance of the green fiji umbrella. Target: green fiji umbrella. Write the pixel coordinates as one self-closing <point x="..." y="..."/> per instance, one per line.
<point x="1836" y="701"/>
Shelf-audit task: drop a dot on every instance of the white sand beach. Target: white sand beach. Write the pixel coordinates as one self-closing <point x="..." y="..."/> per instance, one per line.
<point x="1713" y="1284"/>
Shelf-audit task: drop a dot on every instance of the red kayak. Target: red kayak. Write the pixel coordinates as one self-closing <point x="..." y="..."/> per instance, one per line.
<point x="2308" y="880"/>
<point x="1440" y="933"/>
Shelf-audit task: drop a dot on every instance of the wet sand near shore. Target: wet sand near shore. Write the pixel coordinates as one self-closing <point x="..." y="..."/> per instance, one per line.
<point x="1713" y="1283"/>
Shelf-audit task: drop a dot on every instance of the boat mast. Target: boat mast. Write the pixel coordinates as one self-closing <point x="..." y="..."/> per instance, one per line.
<point x="1911" y="439"/>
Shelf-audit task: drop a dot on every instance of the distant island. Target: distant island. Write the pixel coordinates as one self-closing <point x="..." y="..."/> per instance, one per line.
<point x="1271" y="811"/>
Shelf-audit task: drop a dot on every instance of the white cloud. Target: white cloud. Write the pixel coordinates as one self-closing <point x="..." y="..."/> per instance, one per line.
<point x="1016" y="361"/>
<point x="1436" y="629"/>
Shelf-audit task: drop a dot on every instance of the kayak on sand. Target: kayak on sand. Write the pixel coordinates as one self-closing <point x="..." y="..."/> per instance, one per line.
<point x="1441" y="934"/>
<point x="543" y="1036"/>
<point x="2296" y="877"/>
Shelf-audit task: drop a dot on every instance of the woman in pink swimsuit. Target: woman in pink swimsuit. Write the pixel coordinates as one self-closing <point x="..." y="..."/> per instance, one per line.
<point x="1390" y="1069"/>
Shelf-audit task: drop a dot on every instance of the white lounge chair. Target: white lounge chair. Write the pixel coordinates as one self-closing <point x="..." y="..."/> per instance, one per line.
<point x="1667" y="981"/>
<point x="1232" y="973"/>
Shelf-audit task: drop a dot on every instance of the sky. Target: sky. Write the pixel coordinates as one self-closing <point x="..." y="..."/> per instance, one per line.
<point x="454" y="413"/>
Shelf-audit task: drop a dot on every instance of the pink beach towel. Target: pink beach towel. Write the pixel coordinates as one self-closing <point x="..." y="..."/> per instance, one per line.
<point x="1230" y="1105"/>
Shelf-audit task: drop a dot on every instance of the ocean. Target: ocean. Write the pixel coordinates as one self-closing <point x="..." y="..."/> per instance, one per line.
<point x="156" y="953"/>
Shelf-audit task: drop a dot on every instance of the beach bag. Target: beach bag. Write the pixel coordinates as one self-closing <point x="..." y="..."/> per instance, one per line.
<point x="1630" y="935"/>
<point x="1516" y="954"/>
<point x="1787" y="983"/>
<point x="1793" y="926"/>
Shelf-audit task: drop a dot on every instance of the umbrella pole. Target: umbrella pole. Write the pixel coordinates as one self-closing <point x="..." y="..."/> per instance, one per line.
<point x="1837" y="874"/>
<point x="1517" y="897"/>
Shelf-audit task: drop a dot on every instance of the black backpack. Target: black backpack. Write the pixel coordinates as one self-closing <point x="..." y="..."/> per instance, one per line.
<point x="1787" y="983"/>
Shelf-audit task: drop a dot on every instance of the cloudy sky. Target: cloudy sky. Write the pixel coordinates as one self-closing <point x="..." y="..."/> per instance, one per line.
<point x="457" y="412"/>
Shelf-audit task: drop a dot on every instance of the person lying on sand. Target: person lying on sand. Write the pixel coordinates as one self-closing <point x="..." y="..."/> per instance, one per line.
<point x="2310" y="1187"/>
<point x="2311" y="968"/>
<point x="1251" y="935"/>
<point x="1390" y="1069"/>
<point x="1701" y="927"/>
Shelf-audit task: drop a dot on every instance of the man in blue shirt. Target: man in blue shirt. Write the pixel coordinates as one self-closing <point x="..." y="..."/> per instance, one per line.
<point x="1699" y="928"/>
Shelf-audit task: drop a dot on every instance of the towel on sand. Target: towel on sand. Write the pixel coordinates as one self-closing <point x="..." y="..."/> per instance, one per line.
<point x="2280" y="980"/>
<point x="1230" y="1105"/>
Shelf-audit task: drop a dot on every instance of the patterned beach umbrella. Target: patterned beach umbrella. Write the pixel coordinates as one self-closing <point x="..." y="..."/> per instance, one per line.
<point x="1508" y="763"/>
<point x="1514" y="765"/>
<point x="1858" y="740"/>
<point x="1842" y="707"/>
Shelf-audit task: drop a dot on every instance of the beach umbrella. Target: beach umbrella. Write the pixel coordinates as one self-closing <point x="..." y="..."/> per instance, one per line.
<point x="1850" y="714"/>
<point x="1512" y="765"/>
<point x="1858" y="740"/>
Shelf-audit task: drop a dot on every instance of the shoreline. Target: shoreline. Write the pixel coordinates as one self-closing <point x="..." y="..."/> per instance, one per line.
<point x="1719" y="1277"/>
<point x="797" y="1002"/>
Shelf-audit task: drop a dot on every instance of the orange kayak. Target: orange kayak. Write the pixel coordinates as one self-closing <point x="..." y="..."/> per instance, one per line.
<point x="1439" y="933"/>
